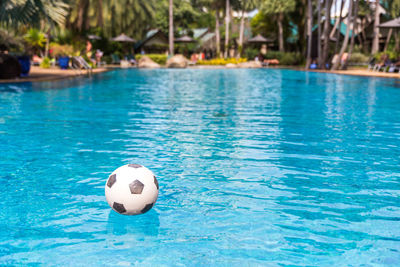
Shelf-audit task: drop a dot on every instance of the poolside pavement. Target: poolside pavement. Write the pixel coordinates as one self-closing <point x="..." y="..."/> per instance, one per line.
<point x="38" y="74"/>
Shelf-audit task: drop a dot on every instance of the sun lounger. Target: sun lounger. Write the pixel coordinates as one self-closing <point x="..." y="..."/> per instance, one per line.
<point x="115" y="59"/>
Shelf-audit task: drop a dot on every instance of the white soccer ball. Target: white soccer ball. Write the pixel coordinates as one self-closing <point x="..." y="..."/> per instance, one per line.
<point x="131" y="189"/>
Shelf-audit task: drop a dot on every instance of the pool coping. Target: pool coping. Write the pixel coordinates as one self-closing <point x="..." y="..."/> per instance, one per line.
<point x="38" y="74"/>
<point x="41" y="75"/>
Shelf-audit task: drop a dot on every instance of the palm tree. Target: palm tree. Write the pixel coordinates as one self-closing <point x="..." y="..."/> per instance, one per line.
<point x="338" y="27"/>
<point x="309" y="32"/>
<point x="327" y="24"/>
<point x="245" y="6"/>
<point x="346" y="37"/>
<point x="319" y="33"/>
<point x="227" y="22"/>
<point x="375" y="40"/>
<point x="171" y="28"/>
<point x="15" y="12"/>
<point x="112" y="16"/>
<point x="278" y="8"/>
<point x="36" y="39"/>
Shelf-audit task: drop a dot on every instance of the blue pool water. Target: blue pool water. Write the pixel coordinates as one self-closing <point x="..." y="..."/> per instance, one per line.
<point x="256" y="168"/>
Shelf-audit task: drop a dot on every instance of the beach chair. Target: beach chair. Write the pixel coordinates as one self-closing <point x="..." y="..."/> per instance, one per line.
<point x="78" y="63"/>
<point x="115" y="59"/>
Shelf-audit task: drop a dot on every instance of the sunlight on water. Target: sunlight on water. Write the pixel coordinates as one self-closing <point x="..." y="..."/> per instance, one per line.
<point x="256" y="167"/>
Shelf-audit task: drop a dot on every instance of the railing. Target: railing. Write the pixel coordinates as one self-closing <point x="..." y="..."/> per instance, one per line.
<point x="78" y="63"/>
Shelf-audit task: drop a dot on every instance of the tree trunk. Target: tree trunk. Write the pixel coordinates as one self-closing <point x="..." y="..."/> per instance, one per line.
<point x="81" y="20"/>
<point x="396" y="41"/>
<point x="171" y="28"/>
<point x="309" y="33"/>
<point x="217" y="35"/>
<point x="280" y="29"/>
<point x="364" y="36"/>
<point x="241" y="33"/>
<point x="46" y="51"/>
<point x="100" y="20"/>
<point x="375" y="41"/>
<point x="325" y="51"/>
<point x="319" y="34"/>
<point x="388" y="39"/>
<point x="346" y="38"/>
<point x="227" y="20"/>
<point x="354" y="27"/>
<point x="338" y="28"/>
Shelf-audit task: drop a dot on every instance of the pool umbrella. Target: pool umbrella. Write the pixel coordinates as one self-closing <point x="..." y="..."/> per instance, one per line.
<point x="394" y="23"/>
<point x="123" y="38"/>
<point x="184" y="39"/>
<point x="259" y="39"/>
<point x="93" y="37"/>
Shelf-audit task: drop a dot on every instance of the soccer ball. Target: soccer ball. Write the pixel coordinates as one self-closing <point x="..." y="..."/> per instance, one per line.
<point x="131" y="189"/>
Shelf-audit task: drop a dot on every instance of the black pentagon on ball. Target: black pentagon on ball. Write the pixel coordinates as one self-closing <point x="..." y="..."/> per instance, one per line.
<point x="119" y="207"/>
<point x="147" y="208"/>
<point x="136" y="187"/>
<point x="111" y="180"/>
<point x="134" y="165"/>
<point x="155" y="181"/>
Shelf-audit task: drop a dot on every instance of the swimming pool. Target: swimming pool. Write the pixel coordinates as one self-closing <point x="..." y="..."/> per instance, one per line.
<point x="256" y="167"/>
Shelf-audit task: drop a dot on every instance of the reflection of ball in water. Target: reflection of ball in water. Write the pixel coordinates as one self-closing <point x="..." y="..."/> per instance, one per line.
<point x="131" y="189"/>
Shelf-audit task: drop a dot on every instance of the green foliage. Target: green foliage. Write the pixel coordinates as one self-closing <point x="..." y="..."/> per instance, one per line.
<point x="277" y="6"/>
<point x="35" y="38"/>
<point x="112" y="16"/>
<point x="392" y="55"/>
<point x="158" y="58"/>
<point x="185" y="16"/>
<point x="285" y="58"/>
<point x="248" y="5"/>
<point x="18" y="12"/>
<point x="251" y="53"/>
<point x="61" y="50"/>
<point x="11" y="43"/>
<point x="45" y="63"/>
<point x="357" y="58"/>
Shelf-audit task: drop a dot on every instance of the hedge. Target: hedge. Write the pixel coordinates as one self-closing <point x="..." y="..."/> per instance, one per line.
<point x="158" y="58"/>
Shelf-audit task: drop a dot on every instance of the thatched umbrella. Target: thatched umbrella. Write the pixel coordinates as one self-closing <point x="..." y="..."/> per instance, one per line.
<point x="93" y="37"/>
<point x="185" y="39"/>
<point x="123" y="38"/>
<point x="259" y="39"/>
<point x="394" y="23"/>
<point x="391" y="24"/>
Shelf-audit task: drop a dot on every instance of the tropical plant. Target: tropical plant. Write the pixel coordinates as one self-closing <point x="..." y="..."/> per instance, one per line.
<point x="278" y="8"/>
<point x="36" y="39"/>
<point x="158" y="58"/>
<point x="61" y="50"/>
<point x="10" y="42"/>
<point x="112" y="16"/>
<point x="45" y="64"/>
<point x="16" y="12"/>
<point x="244" y="6"/>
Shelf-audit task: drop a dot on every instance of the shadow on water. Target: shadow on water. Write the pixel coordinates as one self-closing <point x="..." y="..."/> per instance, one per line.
<point x="140" y="225"/>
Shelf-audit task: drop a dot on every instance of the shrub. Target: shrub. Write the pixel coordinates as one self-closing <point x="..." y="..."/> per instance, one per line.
<point x="158" y="58"/>
<point x="392" y="55"/>
<point x="11" y="43"/>
<point x="357" y="58"/>
<point x="251" y="53"/>
<point x="288" y="58"/>
<point x="221" y="61"/>
<point x="45" y="63"/>
<point x="61" y="50"/>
